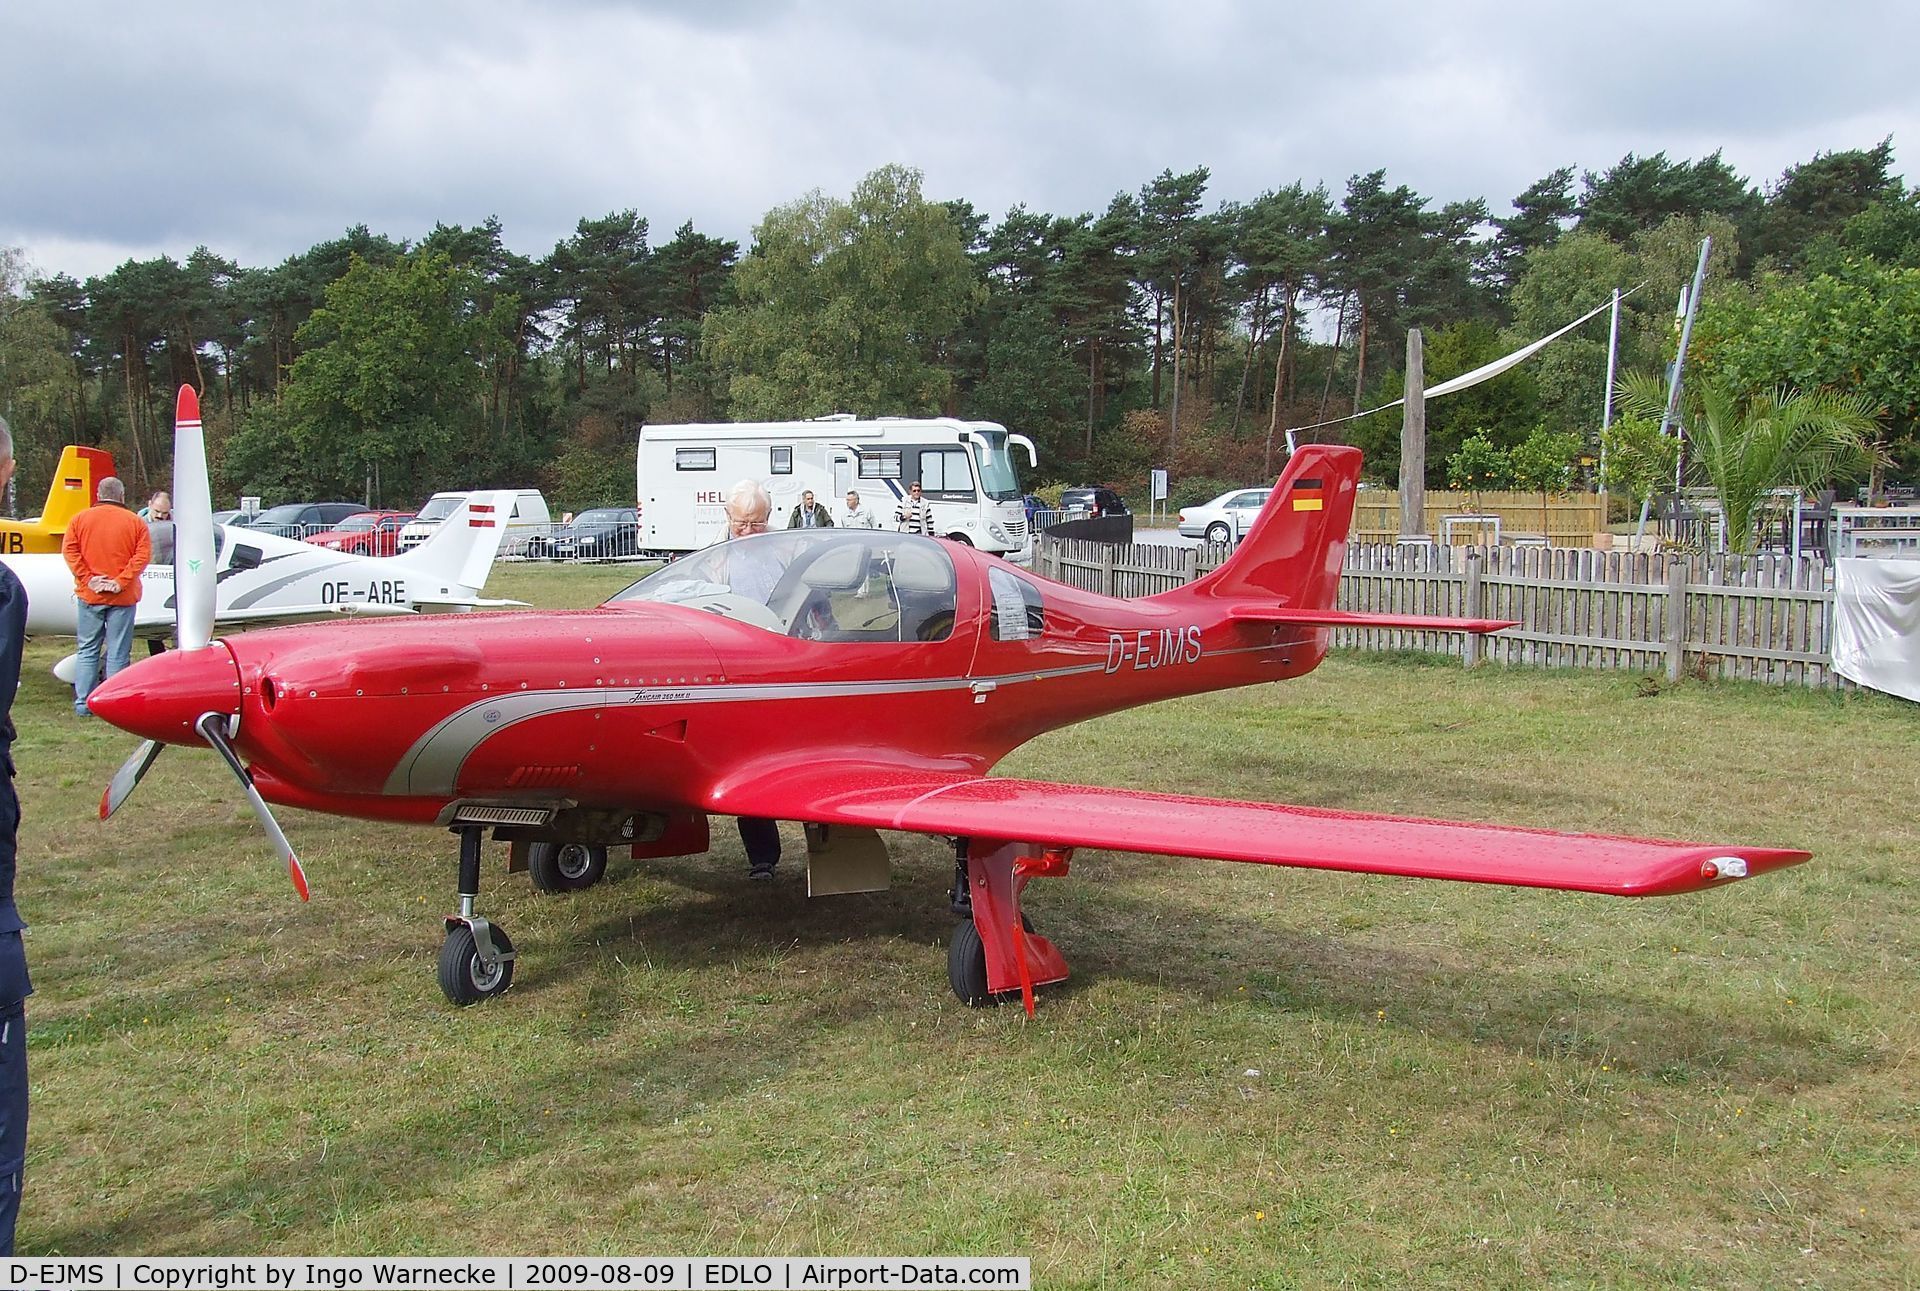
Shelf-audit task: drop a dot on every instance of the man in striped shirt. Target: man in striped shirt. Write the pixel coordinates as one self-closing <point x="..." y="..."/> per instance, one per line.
<point x="915" y="514"/>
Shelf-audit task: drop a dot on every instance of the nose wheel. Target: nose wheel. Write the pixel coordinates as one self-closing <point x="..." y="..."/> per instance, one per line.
<point x="476" y="961"/>
<point x="466" y="975"/>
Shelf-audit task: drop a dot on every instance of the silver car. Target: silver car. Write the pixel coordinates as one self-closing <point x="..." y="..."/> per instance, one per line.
<point x="1225" y="519"/>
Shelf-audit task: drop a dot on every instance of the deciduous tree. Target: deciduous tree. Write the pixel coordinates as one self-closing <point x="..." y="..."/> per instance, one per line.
<point x="846" y="306"/>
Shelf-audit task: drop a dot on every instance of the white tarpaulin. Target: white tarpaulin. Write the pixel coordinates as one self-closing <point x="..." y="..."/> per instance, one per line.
<point x="1876" y="623"/>
<point x="1485" y="372"/>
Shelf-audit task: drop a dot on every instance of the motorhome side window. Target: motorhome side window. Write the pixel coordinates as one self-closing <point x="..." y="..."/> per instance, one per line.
<point x="945" y="471"/>
<point x="781" y="461"/>
<point x="693" y="459"/>
<point x="880" y="464"/>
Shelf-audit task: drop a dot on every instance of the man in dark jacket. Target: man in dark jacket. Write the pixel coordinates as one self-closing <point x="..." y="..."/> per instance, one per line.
<point x="809" y="514"/>
<point x="14" y="986"/>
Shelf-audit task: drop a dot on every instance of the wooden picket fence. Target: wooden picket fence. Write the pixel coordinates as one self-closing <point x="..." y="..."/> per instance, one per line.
<point x="1751" y="618"/>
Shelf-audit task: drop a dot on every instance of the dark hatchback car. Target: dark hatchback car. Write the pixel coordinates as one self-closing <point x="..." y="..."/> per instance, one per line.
<point x="298" y="519"/>
<point x="603" y="531"/>
<point x="1094" y="502"/>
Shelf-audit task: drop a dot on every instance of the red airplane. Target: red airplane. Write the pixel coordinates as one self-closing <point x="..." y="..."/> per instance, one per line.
<point x="855" y="680"/>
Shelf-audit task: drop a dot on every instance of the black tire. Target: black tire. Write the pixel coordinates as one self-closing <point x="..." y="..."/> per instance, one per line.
<point x="1219" y="534"/>
<point x="566" y="867"/>
<point x="463" y="978"/>
<point x="960" y="538"/>
<point x="967" y="966"/>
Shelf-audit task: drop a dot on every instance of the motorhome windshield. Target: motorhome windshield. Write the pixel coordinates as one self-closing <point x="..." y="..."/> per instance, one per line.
<point x="441" y="507"/>
<point x="997" y="478"/>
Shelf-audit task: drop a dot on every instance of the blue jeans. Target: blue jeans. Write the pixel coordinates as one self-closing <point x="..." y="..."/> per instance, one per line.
<point x="98" y="624"/>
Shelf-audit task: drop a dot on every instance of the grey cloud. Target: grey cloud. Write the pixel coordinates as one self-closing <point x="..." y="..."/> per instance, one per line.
<point x="259" y="130"/>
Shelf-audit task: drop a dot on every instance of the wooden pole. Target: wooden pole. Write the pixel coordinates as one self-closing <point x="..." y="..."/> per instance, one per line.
<point x="1413" y="443"/>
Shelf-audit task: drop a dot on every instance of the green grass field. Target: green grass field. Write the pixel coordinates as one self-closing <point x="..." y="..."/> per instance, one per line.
<point x="1256" y="1077"/>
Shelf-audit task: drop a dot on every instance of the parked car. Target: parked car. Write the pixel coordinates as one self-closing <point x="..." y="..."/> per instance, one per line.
<point x="527" y="518"/>
<point x="226" y="517"/>
<point x="298" y="519"/>
<point x="1225" y="519"/>
<point x="371" y="533"/>
<point x="603" y="531"/>
<point x="1095" y="501"/>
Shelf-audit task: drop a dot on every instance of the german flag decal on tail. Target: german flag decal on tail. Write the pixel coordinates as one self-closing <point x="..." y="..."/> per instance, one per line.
<point x="1305" y="495"/>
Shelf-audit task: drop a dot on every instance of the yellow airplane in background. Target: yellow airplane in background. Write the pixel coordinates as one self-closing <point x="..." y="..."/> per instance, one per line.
<point x="72" y="491"/>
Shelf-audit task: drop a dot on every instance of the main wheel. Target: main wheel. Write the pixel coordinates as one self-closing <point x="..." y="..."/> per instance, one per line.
<point x="566" y="867"/>
<point x="967" y="965"/>
<point x="463" y="977"/>
<point x="1218" y="533"/>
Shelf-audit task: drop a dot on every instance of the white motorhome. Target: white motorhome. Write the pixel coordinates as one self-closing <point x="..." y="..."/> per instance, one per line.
<point x="964" y="468"/>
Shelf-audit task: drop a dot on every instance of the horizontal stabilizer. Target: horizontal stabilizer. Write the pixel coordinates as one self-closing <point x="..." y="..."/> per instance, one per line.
<point x="1063" y="815"/>
<point x="270" y="615"/>
<point x="1357" y="619"/>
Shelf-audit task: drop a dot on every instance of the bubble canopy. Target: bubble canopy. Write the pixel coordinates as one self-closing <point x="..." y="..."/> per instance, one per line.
<point x="850" y="585"/>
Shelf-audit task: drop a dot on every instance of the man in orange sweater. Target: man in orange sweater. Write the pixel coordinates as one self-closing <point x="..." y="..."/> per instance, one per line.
<point x="106" y="548"/>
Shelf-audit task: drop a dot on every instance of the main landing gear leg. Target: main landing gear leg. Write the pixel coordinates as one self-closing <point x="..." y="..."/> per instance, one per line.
<point x="996" y="952"/>
<point x="476" y="963"/>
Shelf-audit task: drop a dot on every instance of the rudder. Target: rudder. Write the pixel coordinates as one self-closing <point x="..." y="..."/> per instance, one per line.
<point x="1297" y="544"/>
<point x="462" y="549"/>
<point x="76" y="482"/>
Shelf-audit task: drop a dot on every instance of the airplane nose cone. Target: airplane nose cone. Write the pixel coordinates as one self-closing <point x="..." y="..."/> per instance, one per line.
<point x="162" y="697"/>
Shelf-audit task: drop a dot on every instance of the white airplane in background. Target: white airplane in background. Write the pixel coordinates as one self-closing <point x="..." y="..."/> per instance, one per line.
<point x="263" y="578"/>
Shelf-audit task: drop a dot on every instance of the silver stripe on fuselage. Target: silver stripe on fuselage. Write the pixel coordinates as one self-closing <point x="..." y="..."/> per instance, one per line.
<point x="432" y="765"/>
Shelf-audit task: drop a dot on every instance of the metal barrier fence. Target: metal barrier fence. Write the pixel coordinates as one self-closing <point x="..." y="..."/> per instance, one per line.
<point x="1751" y="618"/>
<point x="544" y="542"/>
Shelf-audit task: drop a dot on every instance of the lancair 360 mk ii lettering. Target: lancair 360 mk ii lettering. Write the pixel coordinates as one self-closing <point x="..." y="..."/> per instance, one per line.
<point x="851" y="679"/>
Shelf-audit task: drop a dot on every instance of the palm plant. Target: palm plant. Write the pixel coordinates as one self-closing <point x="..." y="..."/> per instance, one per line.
<point x="1747" y="445"/>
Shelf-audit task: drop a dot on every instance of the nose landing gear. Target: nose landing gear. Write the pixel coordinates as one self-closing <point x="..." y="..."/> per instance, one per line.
<point x="476" y="961"/>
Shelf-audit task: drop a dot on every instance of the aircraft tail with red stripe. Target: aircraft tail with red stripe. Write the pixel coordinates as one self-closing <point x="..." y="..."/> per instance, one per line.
<point x="462" y="548"/>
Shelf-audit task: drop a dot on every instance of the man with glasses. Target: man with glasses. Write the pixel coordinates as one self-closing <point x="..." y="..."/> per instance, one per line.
<point x="753" y="571"/>
<point x="915" y="514"/>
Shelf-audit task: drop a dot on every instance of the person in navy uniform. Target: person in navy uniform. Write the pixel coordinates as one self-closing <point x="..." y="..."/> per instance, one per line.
<point x="14" y="986"/>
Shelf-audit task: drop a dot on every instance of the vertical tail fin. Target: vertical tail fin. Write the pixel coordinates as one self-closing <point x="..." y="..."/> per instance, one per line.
<point x="75" y="481"/>
<point x="462" y="549"/>
<point x="1295" y="549"/>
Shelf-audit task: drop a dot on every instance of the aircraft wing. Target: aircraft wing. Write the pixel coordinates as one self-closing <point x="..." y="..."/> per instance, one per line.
<point x="1060" y="815"/>
<point x="268" y="615"/>
<point x="467" y="603"/>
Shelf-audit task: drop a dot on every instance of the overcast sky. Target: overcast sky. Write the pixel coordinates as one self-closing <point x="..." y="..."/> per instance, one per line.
<point x="259" y="129"/>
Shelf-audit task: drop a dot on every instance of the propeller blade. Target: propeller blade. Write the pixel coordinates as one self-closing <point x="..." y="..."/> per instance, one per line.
<point x="213" y="729"/>
<point x="193" y="572"/>
<point x="128" y="776"/>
